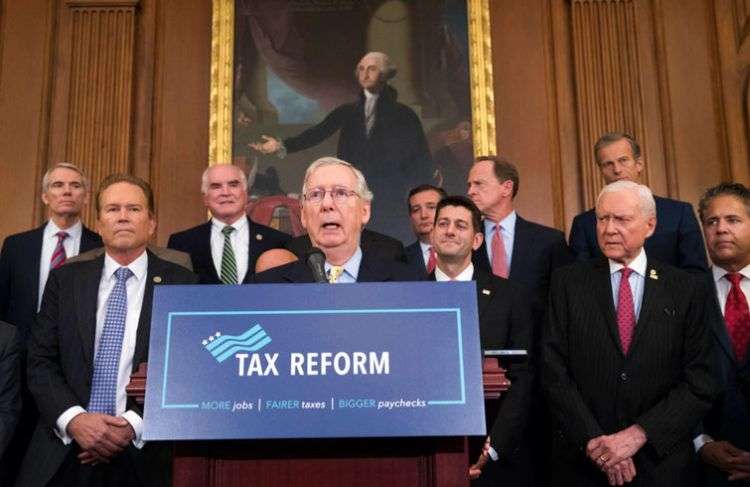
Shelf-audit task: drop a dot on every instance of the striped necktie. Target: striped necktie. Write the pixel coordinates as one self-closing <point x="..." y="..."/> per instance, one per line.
<point x="58" y="255"/>
<point x="103" y="397"/>
<point x="228" y="262"/>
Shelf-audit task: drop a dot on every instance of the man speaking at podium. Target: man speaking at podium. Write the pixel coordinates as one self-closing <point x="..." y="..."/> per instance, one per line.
<point x="335" y="204"/>
<point x="91" y="333"/>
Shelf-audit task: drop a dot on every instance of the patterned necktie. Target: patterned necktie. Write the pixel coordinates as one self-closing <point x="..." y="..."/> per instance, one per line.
<point x="335" y="273"/>
<point x="369" y="114"/>
<point x="625" y="310"/>
<point x="499" y="259"/>
<point x="228" y="262"/>
<point x="432" y="261"/>
<point x="737" y="316"/>
<point x="58" y="255"/>
<point x="107" y="361"/>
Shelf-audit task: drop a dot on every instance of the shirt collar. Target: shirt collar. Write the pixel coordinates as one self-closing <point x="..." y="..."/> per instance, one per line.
<point x="508" y="223"/>
<point x="73" y="232"/>
<point x="138" y="267"/>
<point x="424" y="246"/>
<point x="369" y="95"/>
<point x="239" y="224"/>
<point x="719" y="272"/>
<point x="638" y="265"/>
<point x="351" y="266"/>
<point x="465" y="275"/>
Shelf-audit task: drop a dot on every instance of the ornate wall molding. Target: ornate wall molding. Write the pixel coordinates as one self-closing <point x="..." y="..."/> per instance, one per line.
<point x="482" y="86"/>
<point x="99" y="118"/>
<point x="608" y="88"/>
<point x="222" y="62"/>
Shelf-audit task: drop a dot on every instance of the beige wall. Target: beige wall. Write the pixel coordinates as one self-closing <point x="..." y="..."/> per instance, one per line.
<point x="688" y="104"/>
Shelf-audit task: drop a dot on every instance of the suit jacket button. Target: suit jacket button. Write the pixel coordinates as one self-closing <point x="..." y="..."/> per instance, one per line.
<point x="624" y="377"/>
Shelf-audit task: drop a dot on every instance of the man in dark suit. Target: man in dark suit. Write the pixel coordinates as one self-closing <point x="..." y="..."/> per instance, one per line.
<point x="10" y="392"/>
<point x="504" y="322"/>
<point x="677" y="239"/>
<point x="92" y="332"/>
<point x="224" y="249"/>
<point x="725" y="444"/>
<point x="626" y="359"/>
<point x="421" y="203"/>
<point x="335" y="207"/>
<point x="25" y="262"/>
<point x="380" y="136"/>
<point x="514" y="248"/>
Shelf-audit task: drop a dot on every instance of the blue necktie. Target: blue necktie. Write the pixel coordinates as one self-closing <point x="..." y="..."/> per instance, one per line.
<point x="107" y="360"/>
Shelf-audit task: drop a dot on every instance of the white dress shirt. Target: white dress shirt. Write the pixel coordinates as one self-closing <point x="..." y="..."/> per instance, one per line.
<point x="240" y="239"/>
<point x="351" y="268"/>
<point x="72" y="245"/>
<point x="135" y="288"/>
<point x="637" y="280"/>
<point x="507" y="230"/>
<point x="425" y="247"/>
<point x="465" y="275"/>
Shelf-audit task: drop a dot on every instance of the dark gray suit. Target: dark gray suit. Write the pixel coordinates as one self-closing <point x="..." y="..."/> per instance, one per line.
<point x="729" y="418"/>
<point x="61" y="363"/>
<point x="665" y="383"/>
<point x="10" y="391"/>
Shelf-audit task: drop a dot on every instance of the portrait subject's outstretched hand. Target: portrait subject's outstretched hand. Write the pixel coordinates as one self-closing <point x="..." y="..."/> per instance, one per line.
<point x="270" y="145"/>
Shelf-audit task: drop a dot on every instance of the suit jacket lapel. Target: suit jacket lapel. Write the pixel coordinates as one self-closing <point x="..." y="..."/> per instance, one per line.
<point x="203" y="251"/>
<point x="35" y="259"/>
<point x="371" y="272"/>
<point x="155" y="270"/>
<point x="86" y="300"/>
<point x="603" y="292"/>
<point x="521" y="239"/>
<point x="89" y="240"/>
<point x="719" y="327"/>
<point x="483" y="299"/>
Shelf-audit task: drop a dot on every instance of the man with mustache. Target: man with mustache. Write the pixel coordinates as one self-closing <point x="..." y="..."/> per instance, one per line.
<point x="224" y="249"/>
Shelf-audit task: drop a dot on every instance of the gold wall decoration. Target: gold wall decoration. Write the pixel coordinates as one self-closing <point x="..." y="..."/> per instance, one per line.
<point x="222" y="61"/>
<point x="99" y="119"/>
<point x="608" y="88"/>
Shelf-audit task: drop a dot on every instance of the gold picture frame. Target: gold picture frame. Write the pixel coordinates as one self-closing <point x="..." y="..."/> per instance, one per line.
<point x="222" y="63"/>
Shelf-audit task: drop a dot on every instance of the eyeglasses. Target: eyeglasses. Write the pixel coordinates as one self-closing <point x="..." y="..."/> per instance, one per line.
<point x="339" y="195"/>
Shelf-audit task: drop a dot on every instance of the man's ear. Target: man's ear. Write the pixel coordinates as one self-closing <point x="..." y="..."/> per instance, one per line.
<point x="477" y="242"/>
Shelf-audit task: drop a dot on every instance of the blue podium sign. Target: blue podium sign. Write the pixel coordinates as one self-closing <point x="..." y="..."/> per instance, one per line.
<point x="314" y="361"/>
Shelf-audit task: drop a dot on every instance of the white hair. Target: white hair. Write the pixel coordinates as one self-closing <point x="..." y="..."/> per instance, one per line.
<point x="362" y="190"/>
<point x="646" y="202"/>
<point x="63" y="165"/>
<point x="387" y="68"/>
<point x="204" y="177"/>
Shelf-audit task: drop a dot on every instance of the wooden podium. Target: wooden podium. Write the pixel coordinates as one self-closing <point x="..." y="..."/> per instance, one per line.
<point x="360" y="462"/>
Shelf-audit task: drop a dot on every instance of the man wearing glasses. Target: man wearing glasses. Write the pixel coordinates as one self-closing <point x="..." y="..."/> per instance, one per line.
<point x="335" y="204"/>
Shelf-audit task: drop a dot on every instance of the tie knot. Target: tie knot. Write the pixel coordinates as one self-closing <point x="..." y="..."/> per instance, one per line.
<point x="62" y="235"/>
<point x="734" y="278"/>
<point x="334" y="273"/>
<point x="123" y="274"/>
<point x="227" y="230"/>
<point x="626" y="271"/>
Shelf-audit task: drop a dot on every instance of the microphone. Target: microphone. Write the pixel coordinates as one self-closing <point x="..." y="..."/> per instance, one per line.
<point x="315" y="259"/>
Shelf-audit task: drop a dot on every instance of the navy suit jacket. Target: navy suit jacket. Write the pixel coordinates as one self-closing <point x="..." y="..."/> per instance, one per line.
<point x="19" y="276"/>
<point x="414" y="255"/>
<point x="677" y="239"/>
<point x="380" y="244"/>
<point x="373" y="268"/>
<point x="537" y="251"/>
<point x="61" y="362"/>
<point x="729" y="419"/>
<point x="196" y="241"/>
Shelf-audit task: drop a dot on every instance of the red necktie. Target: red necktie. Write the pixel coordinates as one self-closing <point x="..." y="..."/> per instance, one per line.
<point x="499" y="259"/>
<point x="625" y="311"/>
<point x="737" y="316"/>
<point x="432" y="261"/>
<point x="58" y="255"/>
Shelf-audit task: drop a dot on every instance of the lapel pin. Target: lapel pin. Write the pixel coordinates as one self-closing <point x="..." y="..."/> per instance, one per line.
<point x="486" y="291"/>
<point x="653" y="275"/>
<point x="157" y="279"/>
<point x="258" y="236"/>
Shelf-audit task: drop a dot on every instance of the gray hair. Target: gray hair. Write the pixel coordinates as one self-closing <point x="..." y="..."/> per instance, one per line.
<point x="646" y="201"/>
<point x="387" y="67"/>
<point x="362" y="190"/>
<point x="204" y="177"/>
<point x="64" y="165"/>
